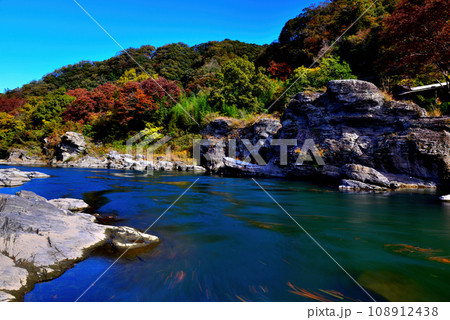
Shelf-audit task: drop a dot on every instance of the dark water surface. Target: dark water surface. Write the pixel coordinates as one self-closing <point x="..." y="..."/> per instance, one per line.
<point x="226" y="240"/>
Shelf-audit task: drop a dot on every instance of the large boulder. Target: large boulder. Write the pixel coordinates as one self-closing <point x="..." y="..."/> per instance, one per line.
<point x="364" y="174"/>
<point x="72" y="145"/>
<point x="23" y="157"/>
<point x="13" y="177"/>
<point x="18" y="155"/>
<point x="355" y="95"/>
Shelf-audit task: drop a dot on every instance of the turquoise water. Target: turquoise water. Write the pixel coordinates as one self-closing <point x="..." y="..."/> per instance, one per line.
<point x="226" y="240"/>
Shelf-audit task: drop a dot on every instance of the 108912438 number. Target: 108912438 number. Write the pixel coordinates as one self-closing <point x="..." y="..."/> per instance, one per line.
<point x="403" y="311"/>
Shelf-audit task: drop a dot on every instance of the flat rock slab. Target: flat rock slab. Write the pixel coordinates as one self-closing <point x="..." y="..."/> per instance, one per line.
<point x="13" y="177"/>
<point x="12" y="277"/>
<point x="69" y="204"/>
<point x="355" y="185"/>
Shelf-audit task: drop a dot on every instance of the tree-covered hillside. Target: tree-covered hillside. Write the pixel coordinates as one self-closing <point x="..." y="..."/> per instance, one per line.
<point x="176" y="88"/>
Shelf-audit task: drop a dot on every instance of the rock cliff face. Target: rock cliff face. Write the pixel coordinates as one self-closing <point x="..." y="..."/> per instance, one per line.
<point x="359" y="134"/>
<point x="39" y="240"/>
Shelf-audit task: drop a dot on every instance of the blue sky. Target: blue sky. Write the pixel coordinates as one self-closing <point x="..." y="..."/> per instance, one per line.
<point x="37" y="37"/>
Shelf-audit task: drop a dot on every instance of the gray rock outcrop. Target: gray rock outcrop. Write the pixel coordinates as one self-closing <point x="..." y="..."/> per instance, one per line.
<point x="39" y="241"/>
<point x="23" y="157"/>
<point x="72" y="145"/>
<point x="359" y="134"/>
<point x="259" y="134"/>
<point x="13" y="177"/>
<point x="69" y="204"/>
<point x="116" y="160"/>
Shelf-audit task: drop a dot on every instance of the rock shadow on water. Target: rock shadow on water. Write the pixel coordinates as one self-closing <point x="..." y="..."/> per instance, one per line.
<point x="98" y="199"/>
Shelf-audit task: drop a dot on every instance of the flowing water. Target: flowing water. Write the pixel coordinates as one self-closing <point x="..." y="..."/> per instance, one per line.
<point x="226" y="240"/>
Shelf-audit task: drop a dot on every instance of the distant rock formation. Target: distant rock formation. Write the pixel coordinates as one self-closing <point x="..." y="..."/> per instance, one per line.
<point x="13" y="177"/>
<point x="366" y="141"/>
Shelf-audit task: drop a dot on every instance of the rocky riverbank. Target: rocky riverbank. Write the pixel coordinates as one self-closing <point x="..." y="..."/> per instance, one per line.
<point x="115" y="160"/>
<point x="366" y="142"/>
<point x="71" y="152"/>
<point x="41" y="239"/>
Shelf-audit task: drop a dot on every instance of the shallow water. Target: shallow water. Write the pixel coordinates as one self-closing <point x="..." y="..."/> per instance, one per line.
<point x="226" y="240"/>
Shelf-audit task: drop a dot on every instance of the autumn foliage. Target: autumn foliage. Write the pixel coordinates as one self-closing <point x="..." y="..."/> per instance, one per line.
<point x="417" y="36"/>
<point x="279" y="70"/>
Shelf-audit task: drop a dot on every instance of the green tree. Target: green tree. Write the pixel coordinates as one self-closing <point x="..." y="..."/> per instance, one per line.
<point x="174" y="61"/>
<point x="303" y="78"/>
<point x="10" y="130"/>
<point x="49" y="108"/>
<point x="242" y="85"/>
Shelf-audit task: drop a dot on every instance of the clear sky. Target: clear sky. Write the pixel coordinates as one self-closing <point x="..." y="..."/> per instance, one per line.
<point x="37" y="37"/>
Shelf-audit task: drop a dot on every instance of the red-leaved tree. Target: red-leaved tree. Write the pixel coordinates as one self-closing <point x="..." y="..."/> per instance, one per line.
<point x="279" y="70"/>
<point x="11" y="104"/>
<point x="417" y="36"/>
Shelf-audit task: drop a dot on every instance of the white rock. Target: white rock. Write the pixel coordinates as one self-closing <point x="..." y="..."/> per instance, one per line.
<point x="445" y="198"/>
<point x="13" y="277"/>
<point x="6" y="297"/>
<point x="69" y="204"/>
<point x="129" y="238"/>
<point x="14" y="177"/>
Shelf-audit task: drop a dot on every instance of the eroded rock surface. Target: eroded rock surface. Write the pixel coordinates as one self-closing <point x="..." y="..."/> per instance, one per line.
<point x="73" y="144"/>
<point x="69" y="204"/>
<point x="23" y="157"/>
<point x="359" y="134"/>
<point x="115" y="160"/>
<point x="39" y="241"/>
<point x="13" y="177"/>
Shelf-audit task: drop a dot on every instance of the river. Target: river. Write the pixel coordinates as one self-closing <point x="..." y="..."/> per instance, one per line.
<point x="226" y="240"/>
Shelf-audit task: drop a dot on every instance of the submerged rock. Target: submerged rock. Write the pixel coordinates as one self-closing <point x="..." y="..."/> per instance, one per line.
<point x="39" y="241"/>
<point x="364" y="174"/>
